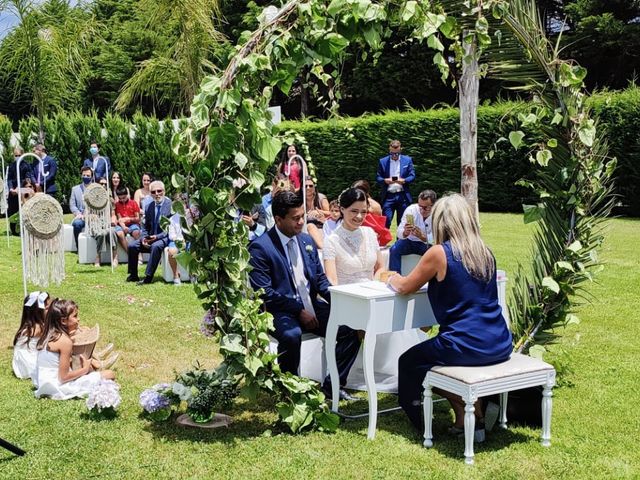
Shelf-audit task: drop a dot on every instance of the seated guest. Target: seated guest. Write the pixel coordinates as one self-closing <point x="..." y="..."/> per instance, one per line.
<point x="463" y="292"/>
<point x="99" y="164"/>
<point x="115" y="184"/>
<point x="143" y="193"/>
<point x="44" y="173"/>
<point x="374" y="206"/>
<point x="152" y="239"/>
<point x="279" y="184"/>
<point x="76" y="202"/>
<point x="127" y="217"/>
<point x="175" y="235"/>
<point x="414" y="232"/>
<point x="12" y="184"/>
<point x="374" y="219"/>
<point x="255" y="220"/>
<point x="104" y="231"/>
<point x="334" y="219"/>
<point x="317" y="211"/>
<point x="286" y="267"/>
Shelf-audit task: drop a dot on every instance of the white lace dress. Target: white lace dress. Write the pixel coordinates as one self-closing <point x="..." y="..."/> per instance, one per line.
<point x="355" y="253"/>
<point x="48" y="384"/>
<point x="24" y="357"/>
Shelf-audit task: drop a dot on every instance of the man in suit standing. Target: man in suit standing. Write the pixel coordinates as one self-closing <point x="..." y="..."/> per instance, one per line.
<point x="152" y="239"/>
<point x="100" y="165"/>
<point x="44" y="174"/>
<point x="76" y="202"/>
<point x="395" y="172"/>
<point x="296" y="291"/>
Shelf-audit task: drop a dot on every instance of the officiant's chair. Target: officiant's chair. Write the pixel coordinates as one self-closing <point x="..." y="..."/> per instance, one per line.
<point x="471" y="383"/>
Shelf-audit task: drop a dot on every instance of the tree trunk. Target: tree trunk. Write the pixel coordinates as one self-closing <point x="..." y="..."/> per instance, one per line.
<point x="469" y="87"/>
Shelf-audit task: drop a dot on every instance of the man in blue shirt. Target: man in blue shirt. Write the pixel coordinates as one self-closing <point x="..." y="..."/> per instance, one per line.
<point x="395" y="172"/>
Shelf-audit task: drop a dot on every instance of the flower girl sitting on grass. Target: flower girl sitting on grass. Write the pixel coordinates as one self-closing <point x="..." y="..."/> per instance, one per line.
<point x="25" y="354"/>
<point x="54" y="377"/>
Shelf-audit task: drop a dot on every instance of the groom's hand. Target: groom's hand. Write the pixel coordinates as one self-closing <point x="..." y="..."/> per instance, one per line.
<point x="308" y="321"/>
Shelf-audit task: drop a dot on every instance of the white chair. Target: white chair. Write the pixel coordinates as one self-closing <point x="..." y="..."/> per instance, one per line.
<point x="167" y="273"/>
<point x="87" y="251"/>
<point x="69" y="241"/>
<point x="471" y="383"/>
<point x="313" y="361"/>
<point x="408" y="263"/>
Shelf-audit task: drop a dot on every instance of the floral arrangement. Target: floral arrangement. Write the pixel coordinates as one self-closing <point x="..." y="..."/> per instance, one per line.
<point x="198" y="392"/>
<point x="104" y="399"/>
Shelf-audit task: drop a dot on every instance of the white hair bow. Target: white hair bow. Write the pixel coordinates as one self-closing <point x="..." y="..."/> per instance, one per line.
<point x="41" y="297"/>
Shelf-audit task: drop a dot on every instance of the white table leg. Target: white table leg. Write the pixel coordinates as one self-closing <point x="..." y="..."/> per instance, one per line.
<point x="546" y="416"/>
<point x="428" y="415"/>
<point x="469" y="430"/>
<point x="369" y="348"/>
<point x="330" y="351"/>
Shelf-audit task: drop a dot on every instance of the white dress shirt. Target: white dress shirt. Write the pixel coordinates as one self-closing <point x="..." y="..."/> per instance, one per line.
<point x="424" y="224"/>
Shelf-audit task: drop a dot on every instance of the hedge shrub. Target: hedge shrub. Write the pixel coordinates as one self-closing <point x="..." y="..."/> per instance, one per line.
<point x="348" y="149"/>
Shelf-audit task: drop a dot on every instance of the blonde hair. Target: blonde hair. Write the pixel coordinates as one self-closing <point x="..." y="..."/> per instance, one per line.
<point x="453" y="220"/>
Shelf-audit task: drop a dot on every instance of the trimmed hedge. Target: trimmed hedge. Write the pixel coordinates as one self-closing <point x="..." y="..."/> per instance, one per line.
<point x="349" y="149"/>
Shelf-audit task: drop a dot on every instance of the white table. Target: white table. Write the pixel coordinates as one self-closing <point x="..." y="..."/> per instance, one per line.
<point x="374" y="308"/>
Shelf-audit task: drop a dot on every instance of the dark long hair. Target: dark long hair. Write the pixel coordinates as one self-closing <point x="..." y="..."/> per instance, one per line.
<point x="59" y="310"/>
<point x="32" y="317"/>
<point x="350" y="196"/>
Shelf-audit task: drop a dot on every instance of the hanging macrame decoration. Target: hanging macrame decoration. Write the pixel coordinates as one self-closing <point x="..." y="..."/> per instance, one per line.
<point x="3" y="197"/>
<point x="43" y="240"/>
<point x="98" y="212"/>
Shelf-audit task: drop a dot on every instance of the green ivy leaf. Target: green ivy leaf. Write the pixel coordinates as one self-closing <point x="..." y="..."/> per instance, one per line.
<point x="537" y="351"/>
<point x="241" y="160"/>
<point x="543" y="157"/>
<point x="515" y="138"/>
<point x="532" y="213"/>
<point x="268" y="148"/>
<point x="587" y="132"/>
<point x="551" y="284"/>
<point x="223" y="139"/>
<point x="448" y="27"/>
<point x="232" y="343"/>
<point x="327" y="421"/>
<point x="253" y="364"/>
<point x="332" y="44"/>
<point x="335" y="7"/>
<point x="552" y="143"/>
<point x="199" y="115"/>
<point x="435" y="43"/>
<point x="409" y="10"/>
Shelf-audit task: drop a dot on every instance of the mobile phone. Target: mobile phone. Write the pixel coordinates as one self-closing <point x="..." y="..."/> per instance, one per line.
<point x="410" y="219"/>
<point x="394" y="178"/>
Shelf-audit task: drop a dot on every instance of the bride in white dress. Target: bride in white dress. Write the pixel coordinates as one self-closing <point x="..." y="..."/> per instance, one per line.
<point x="351" y="255"/>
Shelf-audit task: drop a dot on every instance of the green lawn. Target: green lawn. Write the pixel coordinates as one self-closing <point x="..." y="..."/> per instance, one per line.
<point x="594" y="430"/>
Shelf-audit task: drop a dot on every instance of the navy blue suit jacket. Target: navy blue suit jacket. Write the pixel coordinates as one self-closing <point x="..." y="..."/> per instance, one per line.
<point x="149" y="216"/>
<point x="26" y="171"/>
<point x="50" y="167"/>
<point x="102" y="163"/>
<point x="272" y="273"/>
<point x="406" y="171"/>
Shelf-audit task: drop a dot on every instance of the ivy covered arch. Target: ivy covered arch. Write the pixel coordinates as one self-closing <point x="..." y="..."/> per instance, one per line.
<point x="231" y="141"/>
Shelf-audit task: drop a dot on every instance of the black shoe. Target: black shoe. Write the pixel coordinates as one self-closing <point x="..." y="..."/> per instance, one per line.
<point x="146" y="280"/>
<point x="133" y="278"/>
<point x="342" y="394"/>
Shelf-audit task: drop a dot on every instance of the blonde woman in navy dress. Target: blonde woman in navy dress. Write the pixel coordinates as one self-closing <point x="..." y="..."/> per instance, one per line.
<point x="461" y="272"/>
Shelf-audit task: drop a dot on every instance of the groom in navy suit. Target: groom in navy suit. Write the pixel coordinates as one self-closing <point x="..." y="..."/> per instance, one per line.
<point x="296" y="291"/>
<point x="395" y="172"/>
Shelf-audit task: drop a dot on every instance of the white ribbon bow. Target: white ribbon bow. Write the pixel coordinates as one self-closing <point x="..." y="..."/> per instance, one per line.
<point x="40" y="297"/>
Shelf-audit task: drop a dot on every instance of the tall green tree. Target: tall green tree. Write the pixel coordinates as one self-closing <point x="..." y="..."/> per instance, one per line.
<point x="45" y="55"/>
<point x="173" y="73"/>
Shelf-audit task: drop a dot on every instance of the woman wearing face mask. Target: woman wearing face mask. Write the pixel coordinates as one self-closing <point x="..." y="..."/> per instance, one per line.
<point x="291" y="166"/>
<point x="351" y="255"/>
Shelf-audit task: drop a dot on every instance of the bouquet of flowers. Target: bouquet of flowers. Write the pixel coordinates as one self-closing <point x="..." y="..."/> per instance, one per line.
<point x="104" y="399"/>
<point x="198" y="391"/>
<point x="159" y="401"/>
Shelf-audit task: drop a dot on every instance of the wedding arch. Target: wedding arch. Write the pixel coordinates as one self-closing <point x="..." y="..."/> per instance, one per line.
<point x="231" y="141"/>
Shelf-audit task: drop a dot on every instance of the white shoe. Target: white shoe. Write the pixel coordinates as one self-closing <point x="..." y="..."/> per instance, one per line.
<point x="177" y="281"/>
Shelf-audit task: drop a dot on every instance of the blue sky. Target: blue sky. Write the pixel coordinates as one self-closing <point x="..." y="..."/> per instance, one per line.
<point x="8" y="19"/>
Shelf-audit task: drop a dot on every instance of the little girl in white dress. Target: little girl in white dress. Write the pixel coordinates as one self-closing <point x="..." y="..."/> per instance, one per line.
<point x="25" y="353"/>
<point x="54" y="377"/>
<point x="351" y="255"/>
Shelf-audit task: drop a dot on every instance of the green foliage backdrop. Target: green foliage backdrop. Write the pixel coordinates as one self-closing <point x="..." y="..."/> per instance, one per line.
<point x="347" y="149"/>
